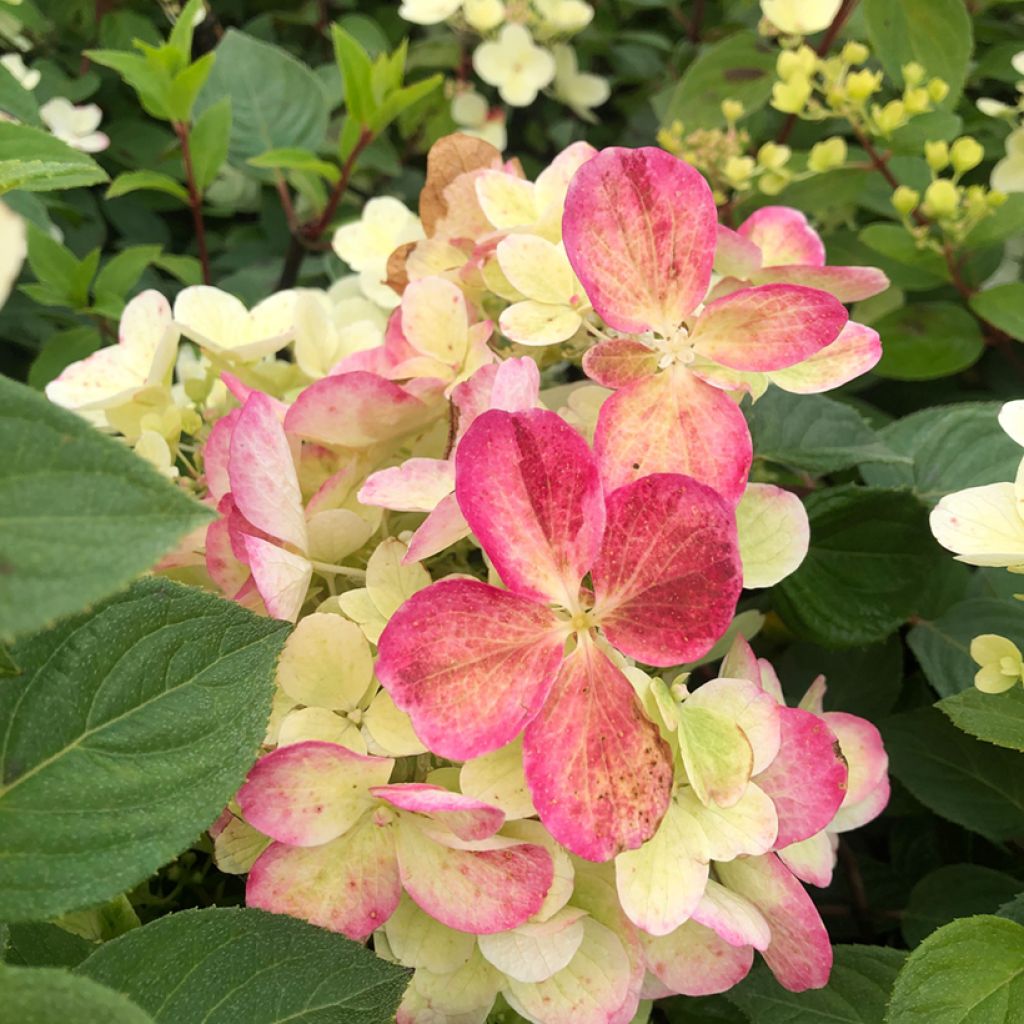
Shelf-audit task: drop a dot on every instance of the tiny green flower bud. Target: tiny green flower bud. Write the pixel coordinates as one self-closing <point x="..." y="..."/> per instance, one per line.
<point x="855" y="53"/>
<point x="827" y="155"/>
<point x="773" y="156"/>
<point x="862" y="84"/>
<point x="772" y="183"/>
<point x="738" y="170"/>
<point x="938" y="90"/>
<point x="791" y="96"/>
<point x="913" y="74"/>
<point x="995" y="199"/>
<point x="890" y="117"/>
<point x="905" y="200"/>
<point x="732" y="110"/>
<point x="937" y="155"/>
<point x="941" y="199"/>
<point x="965" y="154"/>
<point x="801" y="62"/>
<point x="917" y="101"/>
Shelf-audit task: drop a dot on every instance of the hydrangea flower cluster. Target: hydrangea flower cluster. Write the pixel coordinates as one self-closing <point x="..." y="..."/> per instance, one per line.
<point x="486" y="751"/>
<point x="523" y="49"/>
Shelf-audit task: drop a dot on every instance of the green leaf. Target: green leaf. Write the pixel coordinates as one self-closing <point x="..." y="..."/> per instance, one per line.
<point x="148" y="76"/>
<point x="52" y="263"/>
<point x="906" y="265"/>
<point x="102" y="922"/>
<point x="928" y="340"/>
<point x="8" y="666"/>
<point x="245" y="965"/>
<point x="187" y="269"/>
<point x="938" y="34"/>
<point x="1013" y="909"/>
<point x="857" y="991"/>
<point x="276" y="101"/>
<point x="181" y="35"/>
<point x="295" y="159"/>
<point x="80" y="515"/>
<point x="356" y="72"/>
<point x="994" y="717"/>
<point x="969" y="972"/>
<point x="1003" y="307"/>
<point x="208" y="142"/>
<point x="974" y="784"/>
<point x="151" y="181"/>
<point x="943" y="646"/>
<point x="740" y="67"/>
<point x="17" y="100"/>
<point x="186" y="85"/>
<point x="121" y="273"/>
<point x="402" y="99"/>
<point x="951" y="447"/>
<point x="47" y="995"/>
<point x="36" y="161"/>
<point x="870" y="557"/>
<point x="127" y="732"/>
<point x="813" y="433"/>
<point x="952" y="891"/>
<point x="45" y="945"/>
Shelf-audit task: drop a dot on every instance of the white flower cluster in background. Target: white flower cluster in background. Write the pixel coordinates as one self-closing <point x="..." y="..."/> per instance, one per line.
<point x="524" y="50"/>
<point x="1008" y="174"/>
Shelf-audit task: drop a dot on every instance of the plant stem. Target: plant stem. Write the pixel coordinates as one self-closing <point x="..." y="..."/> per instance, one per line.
<point x="195" y="198"/>
<point x="317" y="228"/>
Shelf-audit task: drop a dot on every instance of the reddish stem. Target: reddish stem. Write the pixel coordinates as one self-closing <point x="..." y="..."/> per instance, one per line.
<point x="195" y="198"/>
<point x="319" y="226"/>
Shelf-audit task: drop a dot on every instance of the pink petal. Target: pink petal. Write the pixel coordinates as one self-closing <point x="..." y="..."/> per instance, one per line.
<point x="355" y="410"/>
<point x="513" y="386"/>
<point x="471" y="664"/>
<point x="215" y="455"/>
<point x="811" y="860"/>
<point x="639" y="230"/>
<point x="281" y="578"/>
<point x="783" y="236"/>
<point x="476" y="891"/>
<point x="866" y="759"/>
<point x="855" y="815"/>
<point x="308" y="793"/>
<point x="741" y="662"/>
<point x="349" y="885"/>
<point x="807" y="781"/>
<point x="735" y="256"/>
<point x="847" y="284"/>
<point x="223" y="567"/>
<point x="600" y="775"/>
<point x="264" y="484"/>
<point x="732" y="917"/>
<point x="800" y="954"/>
<point x="674" y="423"/>
<point x="443" y="527"/>
<point x="669" y="574"/>
<point x="694" y="961"/>
<point x="417" y="485"/>
<point x="855" y="351"/>
<point x="529" y="488"/>
<point x="619" y="362"/>
<point x="768" y="327"/>
<point x="466" y="817"/>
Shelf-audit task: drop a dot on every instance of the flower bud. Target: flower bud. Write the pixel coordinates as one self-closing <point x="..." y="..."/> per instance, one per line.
<point x="800" y="62"/>
<point x="938" y="90"/>
<point x="791" y="96"/>
<point x="917" y="101"/>
<point x="732" y="110"/>
<point x="827" y="155"/>
<point x="905" y="200"/>
<point x="913" y="74"/>
<point x="995" y="199"/>
<point x="855" y="53"/>
<point x="773" y="156"/>
<point x="965" y="154"/>
<point x="483" y="15"/>
<point x="862" y="84"/>
<point x="738" y="170"/>
<point x="937" y="155"/>
<point x="890" y="117"/>
<point x="941" y="199"/>
<point x="772" y="183"/>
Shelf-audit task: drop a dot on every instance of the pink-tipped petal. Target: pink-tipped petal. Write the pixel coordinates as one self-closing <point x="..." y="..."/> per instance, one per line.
<point x="867" y="761"/>
<point x="476" y="891"/>
<point x="516" y="385"/>
<point x="783" y="236"/>
<point x="466" y="817"/>
<point x="847" y="284"/>
<point x="669" y="575"/>
<point x="357" y="409"/>
<point x="694" y="961"/>
<point x="674" y="423"/>
<point x="768" y="327"/>
<point x="639" y="230"/>
<point x="308" y="793"/>
<point x="443" y="527"/>
<point x="264" y="484"/>
<point x="811" y="860"/>
<point x="417" y="485"/>
<point x="800" y="953"/>
<point x="753" y="710"/>
<point x="732" y="917"/>
<point x="600" y="774"/>
<point x="349" y="885"/>
<point x="471" y="664"/>
<point x="529" y="488"/>
<point x="281" y="578"/>
<point x="616" y="363"/>
<point x="223" y="567"/>
<point x="807" y="780"/>
<point x="855" y="351"/>
<point x="216" y="452"/>
<point x="741" y="662"/>
<point x="735" y="256"/>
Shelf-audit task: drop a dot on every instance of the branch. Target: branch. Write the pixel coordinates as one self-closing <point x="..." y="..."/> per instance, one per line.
<point x="317" y="228"/>
<point x="195" y="198"/>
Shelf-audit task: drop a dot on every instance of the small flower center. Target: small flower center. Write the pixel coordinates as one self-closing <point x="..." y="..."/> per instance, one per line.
<point x="676" y="349"/>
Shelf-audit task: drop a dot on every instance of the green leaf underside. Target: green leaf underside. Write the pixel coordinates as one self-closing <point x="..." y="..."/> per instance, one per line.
<point x="126" y="734"/>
